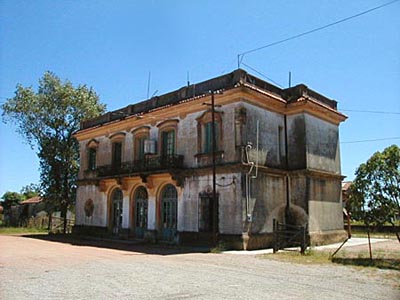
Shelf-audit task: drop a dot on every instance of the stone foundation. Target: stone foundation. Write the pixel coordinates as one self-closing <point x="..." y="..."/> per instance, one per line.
<point x="227" y="241"/>
<point x="206" y="239"/>
<point x="327" y="237"/>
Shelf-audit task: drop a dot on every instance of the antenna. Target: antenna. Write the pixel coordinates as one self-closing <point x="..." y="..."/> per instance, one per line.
<point x="155" y="92"/>
<point x="148" y="85"/>
<point x="290" y="79"/>
<point x="187" y="78"/>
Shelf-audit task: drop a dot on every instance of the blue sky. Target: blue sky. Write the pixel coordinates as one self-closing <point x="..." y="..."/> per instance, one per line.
<point x="113" y="45"/>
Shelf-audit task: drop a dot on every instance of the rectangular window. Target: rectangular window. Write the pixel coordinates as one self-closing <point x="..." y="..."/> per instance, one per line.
<point x="208" y="137"/>
<point x="139" y="147"/>
<point x="92" y="159"/>
<point x="168" y="143"/>
<point x="117" y="155"/>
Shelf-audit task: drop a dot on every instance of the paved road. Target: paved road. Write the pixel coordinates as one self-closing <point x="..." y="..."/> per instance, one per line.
<point x="39" y="269"/>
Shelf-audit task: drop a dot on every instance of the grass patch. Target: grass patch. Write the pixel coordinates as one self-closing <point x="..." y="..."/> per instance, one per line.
<point x="221" y="247"/>
<point x="22" y="230"/>
<point x="310" y="257"/>
<point x="374" y="235"/>
<point x="383" y="259"/>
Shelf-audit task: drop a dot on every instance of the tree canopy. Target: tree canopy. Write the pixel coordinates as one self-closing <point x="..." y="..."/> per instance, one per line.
<point x="47" y="119"/>
<point x="375" y="192"/>
<point x="11" y="198"/>
<point x="30" y="190"/>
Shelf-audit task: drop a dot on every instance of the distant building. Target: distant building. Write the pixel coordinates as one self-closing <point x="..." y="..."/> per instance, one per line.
<point x="19" y="214"/>
<point x="146" y="169"/>
<point x="31" y="206"/>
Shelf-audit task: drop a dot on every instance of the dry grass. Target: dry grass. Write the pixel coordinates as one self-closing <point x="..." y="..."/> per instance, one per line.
<point x="310" y="257"/>
<point x="21" y="230"/>
<point x="375" y="235"/>
<point x="384" y="259"/>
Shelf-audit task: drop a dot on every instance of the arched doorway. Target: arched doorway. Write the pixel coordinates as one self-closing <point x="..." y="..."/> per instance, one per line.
<point x="140" y="212"/>
<point x="116" y="211"/>
<point x="168" y="210"/>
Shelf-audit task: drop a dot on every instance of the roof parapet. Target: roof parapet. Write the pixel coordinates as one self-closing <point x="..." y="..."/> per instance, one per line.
<point x="224" y="82"/>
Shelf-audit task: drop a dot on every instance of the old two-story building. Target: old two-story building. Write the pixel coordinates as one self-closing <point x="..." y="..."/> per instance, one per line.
<point x="147" y="169"/>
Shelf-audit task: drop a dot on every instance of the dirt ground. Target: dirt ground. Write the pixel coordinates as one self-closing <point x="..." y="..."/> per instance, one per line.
<point x="390" y="246"/>
<point x="35" y="267"/>
<point x="388" y="249"/>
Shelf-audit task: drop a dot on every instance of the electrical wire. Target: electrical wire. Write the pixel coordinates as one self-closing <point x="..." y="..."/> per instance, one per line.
<point x="372" y="140"/>
<point x="373" y="111"/>
<point x="241" y="55"/>
<point x="265" y="76"/>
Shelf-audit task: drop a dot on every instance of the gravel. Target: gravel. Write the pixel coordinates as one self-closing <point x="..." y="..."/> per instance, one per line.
<point x="32" y="268"/>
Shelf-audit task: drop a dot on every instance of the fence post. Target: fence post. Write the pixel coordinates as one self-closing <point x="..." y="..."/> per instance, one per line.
<point x="275" y="249"/>
<point x="303" y="240"/>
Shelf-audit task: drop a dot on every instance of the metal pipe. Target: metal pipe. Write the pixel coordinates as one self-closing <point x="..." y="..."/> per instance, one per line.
<point x="257" y="154"/>
<point x="214" y="149"/>
<point x="287" y="171"/>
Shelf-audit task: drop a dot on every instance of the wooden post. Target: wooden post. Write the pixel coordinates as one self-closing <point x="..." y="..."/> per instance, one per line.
<point x="369" y="245"/>
<point x="303" y="241"/>
<point x="275" y="236"/>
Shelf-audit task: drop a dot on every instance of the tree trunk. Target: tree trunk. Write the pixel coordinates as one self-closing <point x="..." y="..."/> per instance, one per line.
<point x="369" y="244"/>
<point x="64" y="214"/>
<point x="396" y="231"/>
<point x="50" y="220"/>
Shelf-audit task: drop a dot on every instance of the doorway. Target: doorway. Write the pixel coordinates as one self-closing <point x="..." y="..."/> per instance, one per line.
<point x="169" y="199"/>
<point x="140" y="213"/>
<point x="116" y="211"/>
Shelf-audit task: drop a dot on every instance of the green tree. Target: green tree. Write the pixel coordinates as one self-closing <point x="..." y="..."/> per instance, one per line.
<point x="11" y="198"/>
<point x="30" y="191"/>
<point x="47" y="120"/>
<point x="375" y="192"/>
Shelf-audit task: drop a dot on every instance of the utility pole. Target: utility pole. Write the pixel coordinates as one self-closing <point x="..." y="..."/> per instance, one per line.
<point x="214" y="150"/>
<point x="215" y="228"/>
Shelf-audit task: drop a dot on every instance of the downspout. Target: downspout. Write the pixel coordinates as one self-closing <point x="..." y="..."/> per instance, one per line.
<point x="246" y="162"/>
<point x="248" y="178"/>
<point x="287" y="208"/>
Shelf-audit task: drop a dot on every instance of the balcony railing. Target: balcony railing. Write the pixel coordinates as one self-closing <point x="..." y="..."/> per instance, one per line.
<point x="153" y="163"/>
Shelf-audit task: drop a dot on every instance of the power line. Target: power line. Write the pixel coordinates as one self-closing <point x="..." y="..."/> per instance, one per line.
<point x="372" y="140"/>
<point x="373" y="111"/>
<point x="258" y="72"/>
<point x="241" y="55"/>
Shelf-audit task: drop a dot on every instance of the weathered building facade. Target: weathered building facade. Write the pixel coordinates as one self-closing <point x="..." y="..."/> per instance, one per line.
<point x="146" y="169"/>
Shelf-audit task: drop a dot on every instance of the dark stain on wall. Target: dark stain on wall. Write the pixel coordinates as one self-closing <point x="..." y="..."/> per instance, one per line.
<point x="297" y="144"/>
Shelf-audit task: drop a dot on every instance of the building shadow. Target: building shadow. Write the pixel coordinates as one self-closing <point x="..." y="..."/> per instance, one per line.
<point x="381" y="263"/>
<point x="118" y="244"/>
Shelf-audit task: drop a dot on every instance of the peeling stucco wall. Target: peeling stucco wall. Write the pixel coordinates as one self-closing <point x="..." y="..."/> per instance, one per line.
<point x="269" y="199"/>
<point x="322" y="145"/>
